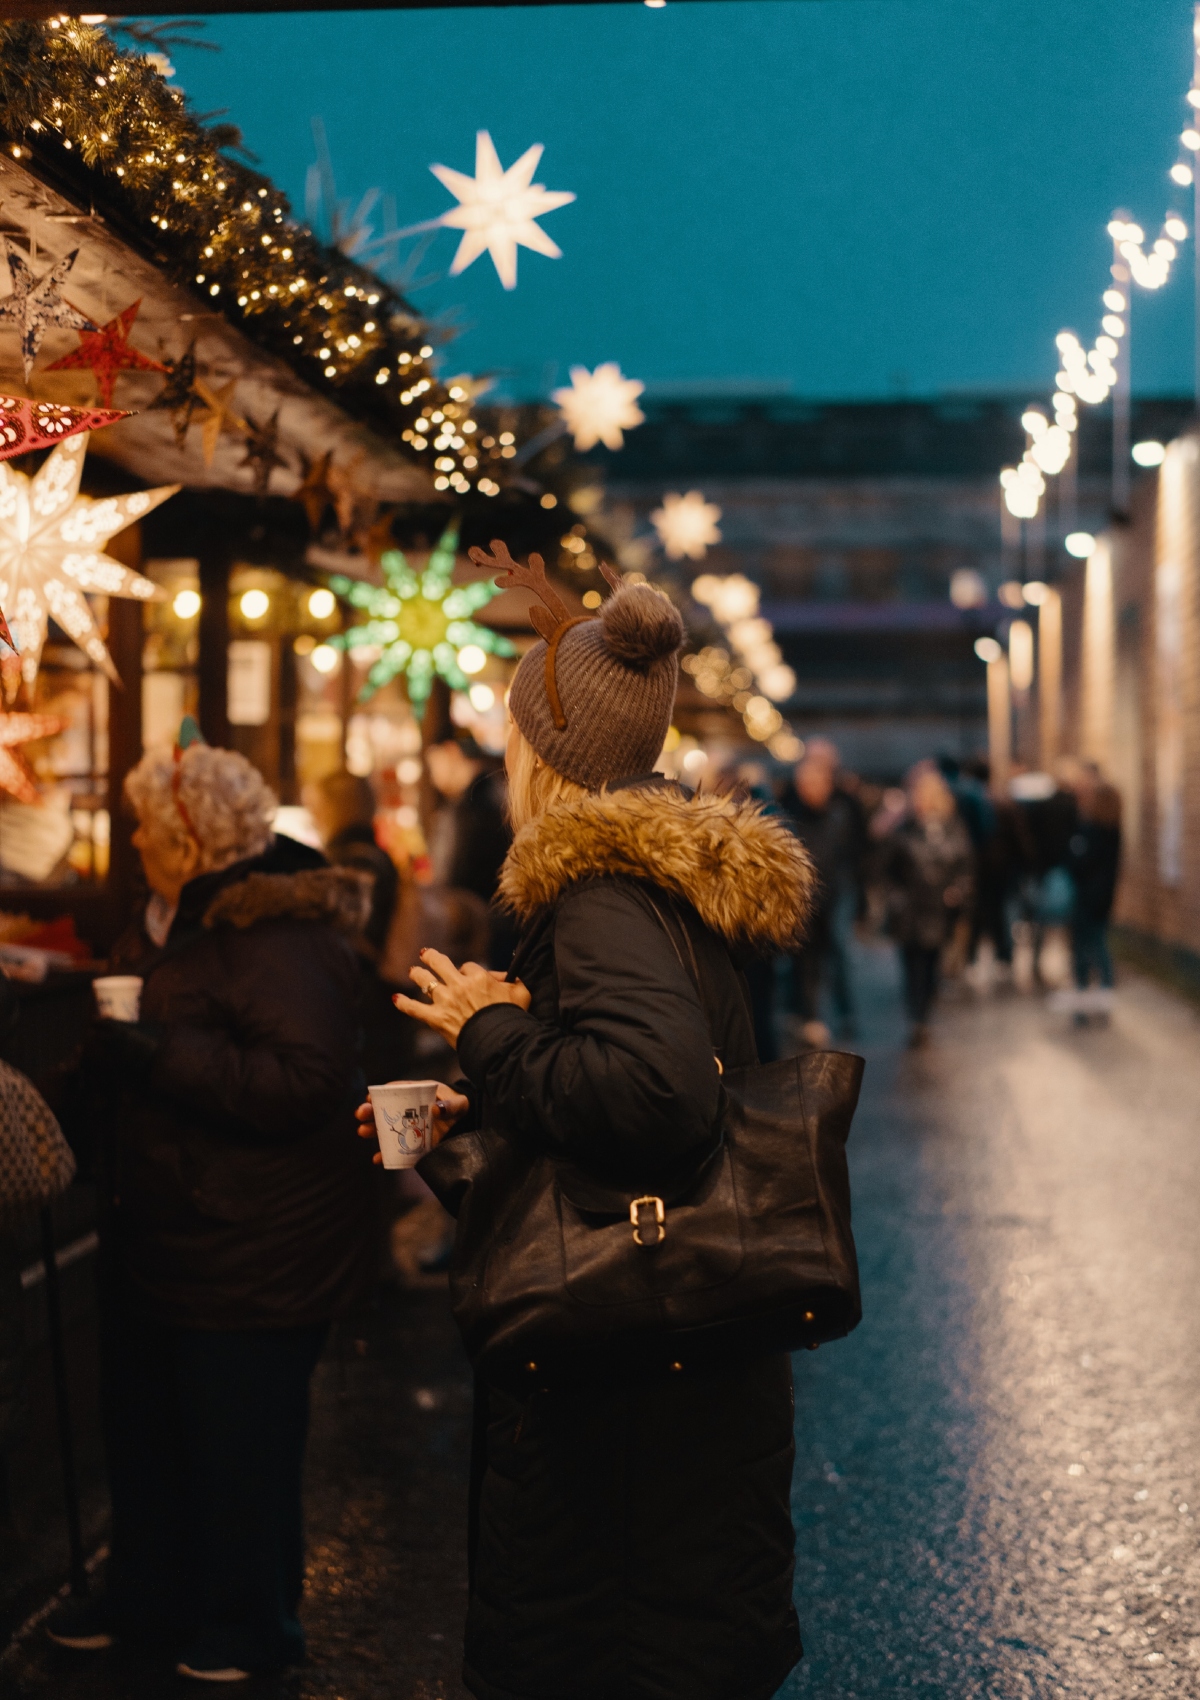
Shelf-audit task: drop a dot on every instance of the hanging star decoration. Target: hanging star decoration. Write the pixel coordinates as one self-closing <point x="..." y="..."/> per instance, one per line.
<point x="179" y="396"/>
<point x="262" y="451"/>
<point x="17" y="778"/>
<point x="219" y="417"/>
<point x="51" y="540"/>
<point x="497" y="209"/>
<point x="686" y="525"/>
<point x="421" y="622"/>
<point x="106" y="352"/>
<point x="599" y="406"/>
<point x="313" y="492"/>
<point x="36" y="304"/>
<point x="351" y="502"/>
<point x="26" y="425"/>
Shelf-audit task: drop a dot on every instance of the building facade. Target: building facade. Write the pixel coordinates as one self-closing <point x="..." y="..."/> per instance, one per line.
<point x="853" y="520"/>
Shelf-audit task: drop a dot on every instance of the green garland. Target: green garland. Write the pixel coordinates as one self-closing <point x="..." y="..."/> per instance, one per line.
<point x="107" y="123"/>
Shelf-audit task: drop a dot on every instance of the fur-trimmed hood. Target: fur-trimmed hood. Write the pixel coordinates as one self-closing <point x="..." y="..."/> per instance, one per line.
<point x="745" y="874"/>
<point x="339" y="895"/>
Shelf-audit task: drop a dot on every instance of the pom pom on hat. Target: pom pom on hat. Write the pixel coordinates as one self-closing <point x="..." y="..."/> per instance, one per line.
<point x="641" y="627"/>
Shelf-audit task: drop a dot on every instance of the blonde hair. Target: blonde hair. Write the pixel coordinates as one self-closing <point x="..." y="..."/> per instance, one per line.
<point x="532" y="786"/>
<point x="211" y="797"/>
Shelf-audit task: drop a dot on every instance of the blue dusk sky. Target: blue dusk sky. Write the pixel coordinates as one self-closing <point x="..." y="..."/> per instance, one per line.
<point x="838" y="198"/>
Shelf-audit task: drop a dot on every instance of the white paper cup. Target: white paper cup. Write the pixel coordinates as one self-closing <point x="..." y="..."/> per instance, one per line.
<point x="404" y="1120"/>
<point x="118" y="996"/>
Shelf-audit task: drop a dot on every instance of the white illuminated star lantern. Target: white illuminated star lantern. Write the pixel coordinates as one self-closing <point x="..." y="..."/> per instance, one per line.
<point x="51" y="543"/>
<point x="686" y="525"/>
<point x="497" y="209"/>
<point x="599" y="406"/>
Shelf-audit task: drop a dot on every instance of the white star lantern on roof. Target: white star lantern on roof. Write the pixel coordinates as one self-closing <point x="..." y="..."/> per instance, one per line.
<point x="686" y="525"/>
<point x="497" y="209"/>
<point x="600" y="406"/>
<point x="51" y="543"/>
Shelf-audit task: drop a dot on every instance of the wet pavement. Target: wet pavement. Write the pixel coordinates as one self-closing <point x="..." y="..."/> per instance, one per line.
<point x="995" y="1473"/>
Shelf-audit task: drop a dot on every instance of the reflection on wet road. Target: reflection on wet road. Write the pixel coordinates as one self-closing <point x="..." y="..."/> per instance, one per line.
<point x="997" y="1484"/>
<point x="999" y="1474"/>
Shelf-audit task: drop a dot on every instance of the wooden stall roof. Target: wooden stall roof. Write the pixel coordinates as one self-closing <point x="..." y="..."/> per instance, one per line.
<point x="107" y="276"/>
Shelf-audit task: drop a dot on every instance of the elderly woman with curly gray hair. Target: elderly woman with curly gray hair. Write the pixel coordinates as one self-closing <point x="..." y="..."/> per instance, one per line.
<point x="238" y="1213"/>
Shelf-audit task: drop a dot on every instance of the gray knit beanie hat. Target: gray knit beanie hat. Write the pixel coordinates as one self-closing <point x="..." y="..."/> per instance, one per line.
<point x="594" y="697"/>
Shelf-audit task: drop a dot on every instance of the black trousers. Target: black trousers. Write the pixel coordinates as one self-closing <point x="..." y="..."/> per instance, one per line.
<point x="205" y="1434"/>
<point x="921" y="966"/>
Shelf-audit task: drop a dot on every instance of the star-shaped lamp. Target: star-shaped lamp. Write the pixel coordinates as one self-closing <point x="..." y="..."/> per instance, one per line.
<point x="686" y="525"/>
<point x="106" y="352"/>
<point x="262" y="451"/>
<point x="26" y="425"/>
<point x="178" y="395"/>
<point x="17" y="778"/>
<point x="220" y="415"/>
<point x="421" y="622"/>
<point x="51" y="540"/>
<point x="35" y="303"/>
<point x="600" y="406"/>
<point x="497" y="209"/>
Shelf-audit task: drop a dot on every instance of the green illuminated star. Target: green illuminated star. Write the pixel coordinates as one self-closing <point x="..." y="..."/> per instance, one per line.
<point x="421" y="621"/>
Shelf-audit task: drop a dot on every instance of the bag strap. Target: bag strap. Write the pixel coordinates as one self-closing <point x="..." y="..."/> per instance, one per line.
<point x="692" y="971"/>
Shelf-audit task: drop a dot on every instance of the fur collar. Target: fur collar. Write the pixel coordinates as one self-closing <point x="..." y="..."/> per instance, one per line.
<point x="744" y="873"/>
<point x="339" y="895"/>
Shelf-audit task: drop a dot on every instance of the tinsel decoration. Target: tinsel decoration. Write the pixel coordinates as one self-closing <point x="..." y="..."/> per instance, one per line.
<point x="27" y="425"/>
<point x="36" y="304"/>
<point x="107" y="352"/>
<point x="420" y="621"/>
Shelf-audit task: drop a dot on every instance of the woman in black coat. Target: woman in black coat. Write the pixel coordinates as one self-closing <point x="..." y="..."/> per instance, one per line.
<point x="237" y="1216"/>
<point x="631" y="1534"/>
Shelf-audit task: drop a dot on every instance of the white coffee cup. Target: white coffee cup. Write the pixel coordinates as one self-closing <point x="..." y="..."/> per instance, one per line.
<point x="118" y="996"/>
<point x="404" y="1120"/>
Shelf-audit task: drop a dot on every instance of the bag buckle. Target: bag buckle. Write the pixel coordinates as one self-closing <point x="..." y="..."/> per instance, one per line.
<point x="660" y="1220"/>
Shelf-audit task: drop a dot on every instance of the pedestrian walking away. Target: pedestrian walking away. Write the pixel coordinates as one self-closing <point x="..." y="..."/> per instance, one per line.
<point x="930" y="880"/>
<point x="631" y="1531"/>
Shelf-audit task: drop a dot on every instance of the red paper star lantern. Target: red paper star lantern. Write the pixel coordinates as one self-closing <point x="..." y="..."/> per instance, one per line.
<point x="27" y="425"/>
<point x="107" y="352"/>
<point x="16" y="776"/>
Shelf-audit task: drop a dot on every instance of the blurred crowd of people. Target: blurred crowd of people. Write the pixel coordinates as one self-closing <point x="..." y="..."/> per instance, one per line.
<point x="947" y="869"/>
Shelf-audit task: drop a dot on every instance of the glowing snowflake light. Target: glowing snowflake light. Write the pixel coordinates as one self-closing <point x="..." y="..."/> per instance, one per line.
<point x="686" y="525"/>
<point x="600" y="406"/>
<point x="421" y="621"/>
<point x="51" y="542"/>
<point x="497" y="209"/>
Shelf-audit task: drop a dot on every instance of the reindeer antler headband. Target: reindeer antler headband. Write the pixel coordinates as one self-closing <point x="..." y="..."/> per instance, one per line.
<point x="552" y="621"/>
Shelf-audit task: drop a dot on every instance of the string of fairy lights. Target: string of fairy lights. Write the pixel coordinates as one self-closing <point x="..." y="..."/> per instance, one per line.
<point x="1089" y="376"/>
<point x="70" y="97"/>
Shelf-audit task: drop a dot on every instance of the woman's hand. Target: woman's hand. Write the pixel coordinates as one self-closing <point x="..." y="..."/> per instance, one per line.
<point x="455" y="994"/>
<point x="449" y="1105"/>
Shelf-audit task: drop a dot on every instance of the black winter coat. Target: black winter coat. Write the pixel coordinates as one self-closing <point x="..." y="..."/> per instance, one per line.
<point x="1093" y="862"/>
<point x="632" y="1534"/>
<point x="240" y="1195"/>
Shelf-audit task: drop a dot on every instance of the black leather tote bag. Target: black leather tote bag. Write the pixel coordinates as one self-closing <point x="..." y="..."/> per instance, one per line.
<point x="554" y="1273"/>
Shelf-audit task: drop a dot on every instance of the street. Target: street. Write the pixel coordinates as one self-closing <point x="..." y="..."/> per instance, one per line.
<point x="994" y="1473"/>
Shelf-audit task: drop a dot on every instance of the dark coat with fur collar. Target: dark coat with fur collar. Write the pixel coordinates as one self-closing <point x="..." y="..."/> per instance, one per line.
<point x="632" y="1535"/>
<point x="242" y="1198"/>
